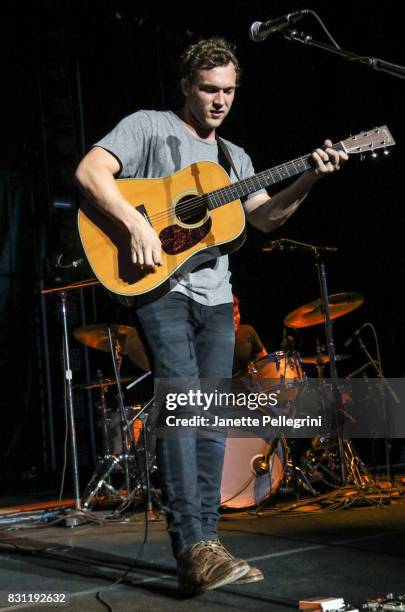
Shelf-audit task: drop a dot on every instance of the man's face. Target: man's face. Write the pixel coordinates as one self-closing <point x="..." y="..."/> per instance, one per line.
<point x="208" y="99"/>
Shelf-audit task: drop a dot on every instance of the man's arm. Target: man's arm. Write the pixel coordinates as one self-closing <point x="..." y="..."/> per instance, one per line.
<point x="95" y="176"/>
<point x="267" y="214"/>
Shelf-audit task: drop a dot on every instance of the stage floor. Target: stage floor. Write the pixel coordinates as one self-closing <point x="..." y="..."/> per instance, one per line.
<point x="354" y="553"/>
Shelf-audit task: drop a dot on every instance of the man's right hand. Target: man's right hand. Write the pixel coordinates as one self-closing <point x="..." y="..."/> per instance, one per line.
<point x="146" y="248"/>
<point x="95" y="175"/>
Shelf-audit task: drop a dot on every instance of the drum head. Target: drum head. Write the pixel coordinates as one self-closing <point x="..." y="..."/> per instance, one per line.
<point x="241" y="486"/>
<point x="278" y="366"/>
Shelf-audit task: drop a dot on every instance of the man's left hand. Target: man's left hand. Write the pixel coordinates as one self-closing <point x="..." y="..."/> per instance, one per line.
<point x="327" y="160"/>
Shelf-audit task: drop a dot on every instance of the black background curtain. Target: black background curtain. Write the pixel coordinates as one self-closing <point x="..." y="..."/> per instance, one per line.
<point x="75" y="68"/>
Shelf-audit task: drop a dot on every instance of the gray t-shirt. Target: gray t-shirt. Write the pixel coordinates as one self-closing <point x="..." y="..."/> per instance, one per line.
<point x="153" y="144"/>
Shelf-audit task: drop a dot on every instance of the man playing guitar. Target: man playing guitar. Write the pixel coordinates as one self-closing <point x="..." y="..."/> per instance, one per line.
<point x="190" y="329"/>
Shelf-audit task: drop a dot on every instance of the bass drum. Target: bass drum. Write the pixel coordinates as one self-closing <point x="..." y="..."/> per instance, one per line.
<point x="247" y="480"/>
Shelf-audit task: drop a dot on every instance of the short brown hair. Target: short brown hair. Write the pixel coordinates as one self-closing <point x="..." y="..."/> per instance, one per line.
<point x="205" y="54"/>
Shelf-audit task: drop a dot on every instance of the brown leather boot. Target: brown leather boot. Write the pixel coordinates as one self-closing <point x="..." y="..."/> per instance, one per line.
<point x="203" y="567"/>
<point x="252" y="575"/>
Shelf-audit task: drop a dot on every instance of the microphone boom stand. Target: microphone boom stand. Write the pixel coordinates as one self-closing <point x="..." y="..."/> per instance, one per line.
<point x="293" y="245"/>
<point x="77" y="516"/>
<point x="372" y="62"/>
<point x="330" y="345"/>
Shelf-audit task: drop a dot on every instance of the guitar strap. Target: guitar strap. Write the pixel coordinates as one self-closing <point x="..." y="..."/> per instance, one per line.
<point x="225" y="158"/>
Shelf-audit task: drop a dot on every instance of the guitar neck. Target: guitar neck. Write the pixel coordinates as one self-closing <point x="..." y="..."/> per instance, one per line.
<point x="242" y="188"/>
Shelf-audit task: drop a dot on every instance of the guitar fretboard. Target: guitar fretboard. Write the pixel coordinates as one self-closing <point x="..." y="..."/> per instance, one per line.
<point x="234" y="191"/>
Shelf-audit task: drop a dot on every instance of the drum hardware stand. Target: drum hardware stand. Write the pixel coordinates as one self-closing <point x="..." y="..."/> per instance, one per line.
<point x="110" y="461"/>
<point x="115" y="350"/>
<point x="105" y="479"/>
<point x="102" y="406"/>
<point x="296" y="474"/>
<point x="357" y="473"/>
<point x="385" y="385"/>
<point x="151" y="494"/>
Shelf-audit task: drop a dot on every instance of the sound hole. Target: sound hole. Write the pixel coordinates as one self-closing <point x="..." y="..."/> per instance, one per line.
<point x="190" y="209"/>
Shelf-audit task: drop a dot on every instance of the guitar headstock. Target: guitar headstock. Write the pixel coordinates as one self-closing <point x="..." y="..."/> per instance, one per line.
<point x="377" y="138"/>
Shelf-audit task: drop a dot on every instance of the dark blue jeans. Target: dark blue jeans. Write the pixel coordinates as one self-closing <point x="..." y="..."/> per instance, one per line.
<point x="191" y="341"/>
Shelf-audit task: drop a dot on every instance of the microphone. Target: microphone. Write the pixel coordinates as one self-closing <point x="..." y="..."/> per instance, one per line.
<point x="73" y="264"/>
<point x="354" y="336"/>
<point x="77" y="262"/>
<point x="259" y="30"/>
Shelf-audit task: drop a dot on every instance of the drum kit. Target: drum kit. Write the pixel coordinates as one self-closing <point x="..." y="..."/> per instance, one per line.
<point x="254" y="468"/>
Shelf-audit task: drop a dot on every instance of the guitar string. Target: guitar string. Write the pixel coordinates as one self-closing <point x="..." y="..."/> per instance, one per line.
<point x="200" y="201"/>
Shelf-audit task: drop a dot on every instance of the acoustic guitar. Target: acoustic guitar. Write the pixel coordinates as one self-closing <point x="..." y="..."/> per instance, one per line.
<point x="197" y="214"/>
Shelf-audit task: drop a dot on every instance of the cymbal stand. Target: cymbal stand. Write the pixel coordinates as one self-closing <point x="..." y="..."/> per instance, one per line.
<point x="314" y="462"/>
<point x="385" y="385"/>
<point x="110" y="461"/>
<point x="102" y="408"/>
<point x="101" y="476"/>
<point x="115" y="349"/>
<point x="151" y="494"/>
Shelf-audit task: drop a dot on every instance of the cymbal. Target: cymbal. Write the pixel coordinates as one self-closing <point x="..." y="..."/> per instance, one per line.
<point x="135" y="350"/>
<point x="322" y="359"/>
<point x="105" y="382"/>
<point x="96" y="336"/>
<point x="312" y="313"/>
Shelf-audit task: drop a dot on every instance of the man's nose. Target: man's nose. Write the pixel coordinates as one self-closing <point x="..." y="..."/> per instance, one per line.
<point x="219" y="98"/>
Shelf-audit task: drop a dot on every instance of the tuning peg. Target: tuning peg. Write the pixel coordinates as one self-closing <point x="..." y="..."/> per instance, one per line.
<point x="374" y="154"/>
<point x="386" y="152"/>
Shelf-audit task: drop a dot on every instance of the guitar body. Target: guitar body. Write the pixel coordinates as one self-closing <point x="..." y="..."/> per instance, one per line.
<point x="184" y="230"/>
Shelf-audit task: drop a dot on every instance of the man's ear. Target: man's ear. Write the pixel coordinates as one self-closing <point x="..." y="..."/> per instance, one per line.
<point x="185" y="87"/>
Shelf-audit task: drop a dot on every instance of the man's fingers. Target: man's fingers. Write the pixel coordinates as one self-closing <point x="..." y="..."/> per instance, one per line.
<point x="327" y="160"/>
<point x="140" y="257"/>
<point x="157" y="255"/>
<point x="322" y="159"/>
<point x="147" y="256"/>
